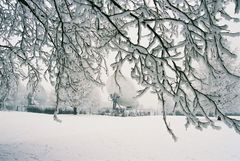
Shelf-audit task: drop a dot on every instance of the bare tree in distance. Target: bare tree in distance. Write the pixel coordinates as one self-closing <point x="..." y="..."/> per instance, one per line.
<point x="9" y="78"/>
<point x="162" y="39"/>
<point x="76" y="93"/>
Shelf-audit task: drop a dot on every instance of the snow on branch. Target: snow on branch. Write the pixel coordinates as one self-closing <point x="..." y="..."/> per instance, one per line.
<point x="165" y="41"/>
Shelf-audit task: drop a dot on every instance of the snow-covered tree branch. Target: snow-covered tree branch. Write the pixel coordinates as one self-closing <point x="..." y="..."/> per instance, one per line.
<point x="164" y="40"/>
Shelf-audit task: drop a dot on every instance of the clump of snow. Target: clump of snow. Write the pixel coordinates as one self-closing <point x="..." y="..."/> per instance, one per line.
<point x="30" y="137"/>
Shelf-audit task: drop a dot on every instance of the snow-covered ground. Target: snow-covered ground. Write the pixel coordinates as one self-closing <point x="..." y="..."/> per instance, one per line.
<point x="30" y="137"/>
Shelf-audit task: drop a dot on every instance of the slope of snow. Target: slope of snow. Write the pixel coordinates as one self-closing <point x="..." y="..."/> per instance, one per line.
<point x="36" y="137"/>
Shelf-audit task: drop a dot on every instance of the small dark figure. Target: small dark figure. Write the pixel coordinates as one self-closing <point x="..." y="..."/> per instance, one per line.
<point x="114" y="98"/>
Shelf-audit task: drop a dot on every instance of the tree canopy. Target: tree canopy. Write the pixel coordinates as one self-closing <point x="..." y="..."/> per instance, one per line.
<point x="162" y="39"/>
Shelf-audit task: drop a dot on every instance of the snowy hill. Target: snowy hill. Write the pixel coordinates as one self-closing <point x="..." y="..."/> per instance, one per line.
<point x="31" y="137"/>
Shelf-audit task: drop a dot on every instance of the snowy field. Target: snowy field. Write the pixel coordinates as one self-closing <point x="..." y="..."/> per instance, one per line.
<point x="36" y="137"/>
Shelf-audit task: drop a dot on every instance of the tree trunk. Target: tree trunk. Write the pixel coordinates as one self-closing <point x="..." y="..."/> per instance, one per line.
<point x="2" y="105"/>
<point x="114" y="104"/>
<point x="75" y="110"/>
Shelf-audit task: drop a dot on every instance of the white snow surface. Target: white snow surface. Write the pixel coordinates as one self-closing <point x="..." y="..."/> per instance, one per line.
<point x="36" y="137"/>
